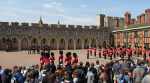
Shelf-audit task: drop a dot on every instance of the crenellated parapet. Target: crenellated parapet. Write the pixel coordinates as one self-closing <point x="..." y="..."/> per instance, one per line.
<point x="51" y="26"/>
<point x="4" y="23"/>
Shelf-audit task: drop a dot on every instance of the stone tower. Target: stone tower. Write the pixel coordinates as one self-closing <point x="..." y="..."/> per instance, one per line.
<point x="147" y="16"/>
<point x="127" y="18"/>
<point x="100" y="20"/>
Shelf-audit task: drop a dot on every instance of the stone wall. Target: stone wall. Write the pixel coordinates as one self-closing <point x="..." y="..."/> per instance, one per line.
<point x="24" y="36"/>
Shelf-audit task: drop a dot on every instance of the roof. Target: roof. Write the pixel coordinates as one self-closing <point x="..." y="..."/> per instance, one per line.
<point x="133" y="27"/>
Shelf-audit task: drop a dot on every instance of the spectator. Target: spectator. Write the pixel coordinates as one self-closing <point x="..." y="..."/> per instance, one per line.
<point x="90" y="76"/>
<point x="138" y="72"/>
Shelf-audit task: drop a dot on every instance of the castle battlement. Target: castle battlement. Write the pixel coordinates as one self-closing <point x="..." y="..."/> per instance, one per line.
<point x="53" y="26"/>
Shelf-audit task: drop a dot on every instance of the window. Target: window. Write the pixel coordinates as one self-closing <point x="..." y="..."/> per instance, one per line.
<point x="146" y="45"/>
<point x="135" y="34"/>
<point x="146" y="33"/>
<point x="126" y="34"/>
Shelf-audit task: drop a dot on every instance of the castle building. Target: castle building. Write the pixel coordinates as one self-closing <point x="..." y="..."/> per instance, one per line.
<point x="24" y="36"/>
<point x="135" y="33"/>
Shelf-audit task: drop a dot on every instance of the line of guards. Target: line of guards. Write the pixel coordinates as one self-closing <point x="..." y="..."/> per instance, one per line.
<point x="118" y="52"/>
<point x="49" y="58"/>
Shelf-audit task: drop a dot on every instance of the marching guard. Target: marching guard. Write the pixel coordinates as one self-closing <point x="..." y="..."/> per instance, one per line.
<point x="61" y="57"/>
<point x="75" y="58"/>
<point x="88" y="53"/>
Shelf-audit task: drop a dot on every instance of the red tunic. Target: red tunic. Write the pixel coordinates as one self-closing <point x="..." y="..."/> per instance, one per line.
<point x="75" y="60"/>
<point x="68" y="60"/>
<point x="46" y="60"/>
<point x="42" y="60"/>
<point x="61" y="57"/>
<point x="129" y="51"/>
<point x="94" y="50"/>
<point x="90" y="51"/>
<point x="143" y="51"/>
<point x="140" y="51"/>
<point x="52" y="59"/>
<point x="100" y="51"/>
<point x="110" y="52"/>
<point x="105" y="52"/>
<point x="123" y="51"/>
<point x="118" y="51"/>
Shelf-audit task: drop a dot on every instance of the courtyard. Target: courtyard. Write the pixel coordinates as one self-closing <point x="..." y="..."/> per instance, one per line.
<point x="22" y="58"/>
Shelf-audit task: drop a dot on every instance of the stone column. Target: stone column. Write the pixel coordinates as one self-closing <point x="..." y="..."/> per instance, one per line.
<point x="66" y="45"/>
<point x="29" y="44"/>
<point x="89" y="43"/>
<point x="19" y="45"/>
<point x="74" y="43"/>
<point x="82" y="43"/>
<point x="57" y="45"/>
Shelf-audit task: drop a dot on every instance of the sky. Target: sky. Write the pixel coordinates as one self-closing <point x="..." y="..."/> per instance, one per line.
<point x="77" y="12"/>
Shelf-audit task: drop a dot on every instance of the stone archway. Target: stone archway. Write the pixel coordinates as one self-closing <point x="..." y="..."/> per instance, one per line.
<point x="70" y="44"/>
<point x="62" y="44"/>
<point x="3" y="44"/>
<point x="53" y="44"/>
<point x="104" y="44"/>
<point x="100" y="44"/>
<point x="93" y="43"/>
<point x="34" y="42"/>
<point x="78" y="44"/>
<point x="86" y="44"/>
<point x="43" y="43"/>
<point x="24" y="44"/>
<point x="14" y="44"/>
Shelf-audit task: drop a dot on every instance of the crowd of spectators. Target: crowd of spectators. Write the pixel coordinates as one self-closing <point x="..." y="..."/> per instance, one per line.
<point x="119" y="71"/>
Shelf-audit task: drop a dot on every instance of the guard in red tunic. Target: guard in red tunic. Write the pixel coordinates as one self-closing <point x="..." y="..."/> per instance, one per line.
<point x="100" y="52"/>
<point x="42" y="58"/>
<point x="104" y="53"/>
<point x="61" y="57"/>
<point x="110" y="53"/>
<point x="123" y="52"/>
<point x="91" y="51"/>
<point x="68" y="59"/>
<point x="88" y="53"/>
<point x="129" y="52"/>
<point x="52" y="58"/>
<point x="75" y="58"/>
<point x="46" y="58"/>
<point x="114" y="52"/>
<point x="118" y="51"/>
<point x="94" y="51"/>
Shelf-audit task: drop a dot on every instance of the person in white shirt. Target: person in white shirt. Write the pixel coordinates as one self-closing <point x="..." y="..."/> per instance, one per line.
<point x="90" y="76"/>
<point x="146" y="79"/>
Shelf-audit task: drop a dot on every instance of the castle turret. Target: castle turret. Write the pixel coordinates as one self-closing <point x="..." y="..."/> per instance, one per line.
<point x="100" y="20"/>
<point x="147" y="16"/>
<point x="127" y="18"/>
<point x="40" y="22"/>
<point x="116" y="20"/>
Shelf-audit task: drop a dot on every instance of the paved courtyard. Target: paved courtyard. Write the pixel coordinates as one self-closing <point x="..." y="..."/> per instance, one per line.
<point x="9" y="59"/>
